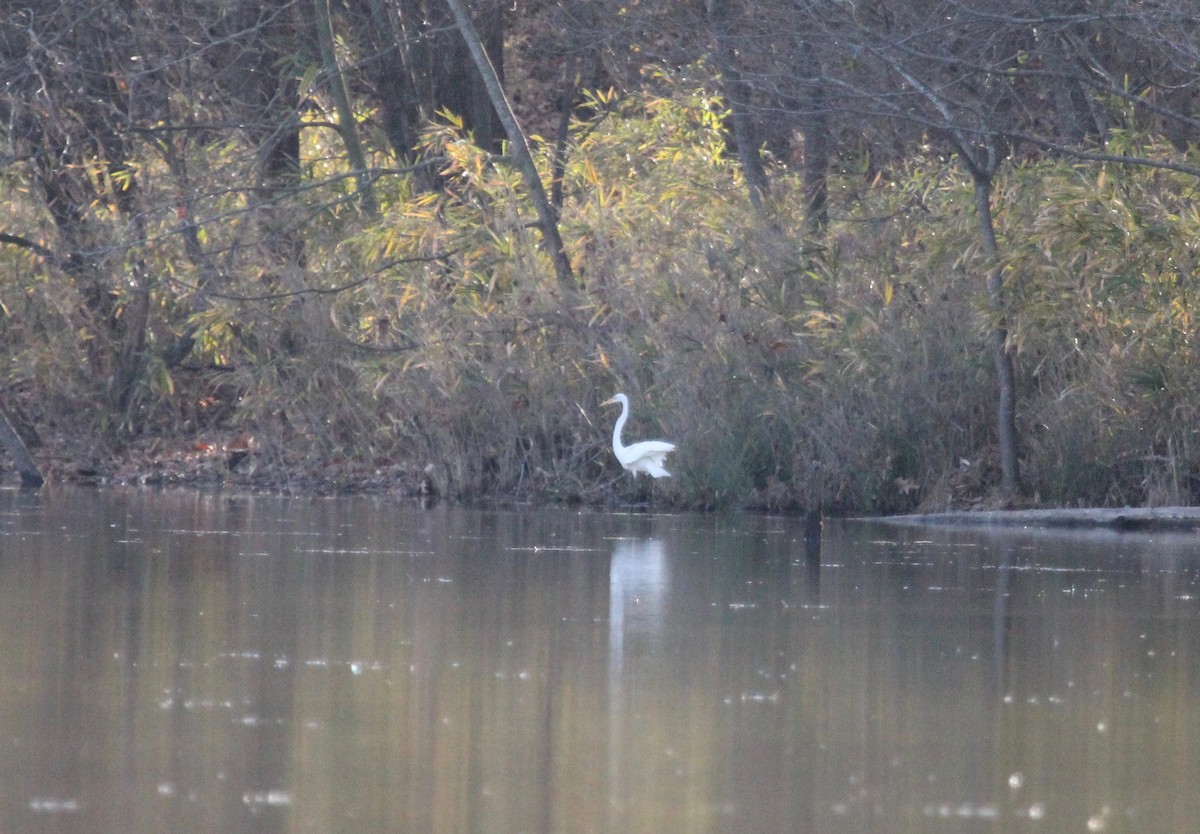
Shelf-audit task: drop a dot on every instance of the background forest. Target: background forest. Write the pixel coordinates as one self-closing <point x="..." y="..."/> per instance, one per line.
<point x="849" y="256"/>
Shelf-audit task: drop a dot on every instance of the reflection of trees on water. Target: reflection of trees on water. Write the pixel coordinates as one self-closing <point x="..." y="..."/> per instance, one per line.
<point x="1001" y="617"/>
<point x="812" y="539"/>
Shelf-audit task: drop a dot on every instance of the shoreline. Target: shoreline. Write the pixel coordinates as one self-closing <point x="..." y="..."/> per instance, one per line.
<point x="1123" y="519"/>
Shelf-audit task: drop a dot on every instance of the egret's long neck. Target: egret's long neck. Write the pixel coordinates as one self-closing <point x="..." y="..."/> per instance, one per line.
<point x="617" y="444"/>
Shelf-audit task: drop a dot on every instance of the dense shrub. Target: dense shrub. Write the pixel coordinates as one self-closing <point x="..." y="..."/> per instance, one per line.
<point x="432" y="342"/>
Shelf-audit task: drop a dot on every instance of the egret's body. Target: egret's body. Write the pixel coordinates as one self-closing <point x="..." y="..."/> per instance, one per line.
<point x="645" y="456"/>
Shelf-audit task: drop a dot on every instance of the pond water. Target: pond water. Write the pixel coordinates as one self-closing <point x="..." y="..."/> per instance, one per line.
<point x="214" y="663"/>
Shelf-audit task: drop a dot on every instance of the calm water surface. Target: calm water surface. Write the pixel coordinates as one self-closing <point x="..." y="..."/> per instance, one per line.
<point x="193" y="663"/>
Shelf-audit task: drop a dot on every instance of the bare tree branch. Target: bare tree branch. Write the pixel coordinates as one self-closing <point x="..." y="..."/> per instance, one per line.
<point x="547" y="219"/>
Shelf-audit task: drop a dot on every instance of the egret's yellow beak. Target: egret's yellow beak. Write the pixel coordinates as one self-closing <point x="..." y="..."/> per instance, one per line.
<point x="609" y="401"/>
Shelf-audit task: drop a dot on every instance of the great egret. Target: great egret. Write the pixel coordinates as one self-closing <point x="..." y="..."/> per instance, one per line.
<point x="646" y="456"/>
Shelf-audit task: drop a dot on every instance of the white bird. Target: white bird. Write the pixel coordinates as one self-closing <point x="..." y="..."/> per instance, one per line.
<point x="646" y="456"/>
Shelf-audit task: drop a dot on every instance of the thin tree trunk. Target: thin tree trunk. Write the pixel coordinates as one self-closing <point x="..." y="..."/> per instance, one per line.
<point x="563" y="134"/>
<point x="547" y="219"/>
<point x="190" y="230"/>
<point x="737" y="95"/>
<point x="31" y="477"/>
<point x="982" y="159"/>
<point x="347" y="124"/>
<point x="398" y="92"/>
<point x="818" y="142"/>
<point x="1010" y="473"/>
<point x="131" y="357"/>
<point x="272" y="104"/>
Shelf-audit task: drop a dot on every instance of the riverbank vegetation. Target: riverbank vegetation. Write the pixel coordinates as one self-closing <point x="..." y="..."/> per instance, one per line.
<point x="303" y="301"/>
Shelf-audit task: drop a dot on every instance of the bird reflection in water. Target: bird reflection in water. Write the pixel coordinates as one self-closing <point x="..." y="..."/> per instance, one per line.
<point x="637" y="585"/>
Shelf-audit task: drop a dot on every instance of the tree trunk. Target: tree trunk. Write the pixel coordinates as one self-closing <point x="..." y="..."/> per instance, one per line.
<point x="31" y="477"/>
<point x="130" y="361"/>
<point x="1006" y="385"/>
<point x="562" y="135"/>
<point x="746" y="139"/>
<point x="347" y="123"/>
<point x="272" y="102"/>
<point x="547" y="219"/>
<point x="393" y="77"/>
<point x="131" y="322"/>
<point x="818" y="143"/>
<point x="455" y="86"/>
<point x="207" y="271"/>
